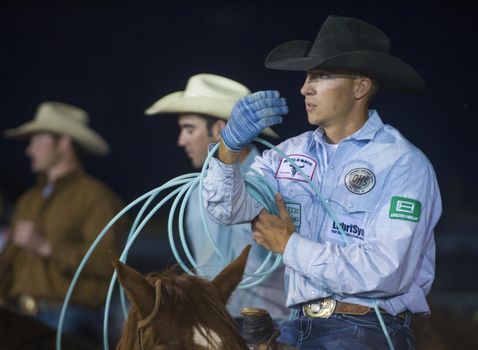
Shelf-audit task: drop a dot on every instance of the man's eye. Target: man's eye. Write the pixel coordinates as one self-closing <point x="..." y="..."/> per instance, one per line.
<point x="318" y="75"/>
<point x="322" y="75"/>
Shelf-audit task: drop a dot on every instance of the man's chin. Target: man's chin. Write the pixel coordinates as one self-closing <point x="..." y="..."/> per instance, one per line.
<point x="36" y="169"/>
<point x="197" y="164"/>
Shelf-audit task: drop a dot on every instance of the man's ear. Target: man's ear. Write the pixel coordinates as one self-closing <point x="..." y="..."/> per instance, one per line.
<point x="65" y="143"/>
<point x="363" y="87"/>
<point x="216" y="129"/>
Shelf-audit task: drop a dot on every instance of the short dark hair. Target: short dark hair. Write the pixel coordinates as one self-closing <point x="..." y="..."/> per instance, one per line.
<point x="80" y="152"/>
<point x="375" y="84"/>
<point x="210" y="121"/>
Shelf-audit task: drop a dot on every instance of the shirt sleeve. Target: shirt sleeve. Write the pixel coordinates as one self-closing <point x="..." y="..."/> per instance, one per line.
<point x="400" y="239"/>
<point x="225" y="196"/>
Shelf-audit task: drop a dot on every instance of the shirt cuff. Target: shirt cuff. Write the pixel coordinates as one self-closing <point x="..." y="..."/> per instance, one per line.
<point x="220" y="170"/>
<point x="298" y="253"/>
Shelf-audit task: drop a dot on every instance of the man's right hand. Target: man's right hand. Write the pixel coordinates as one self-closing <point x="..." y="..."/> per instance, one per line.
<point x="25" y="235"/>
<point x="250" y="115"/>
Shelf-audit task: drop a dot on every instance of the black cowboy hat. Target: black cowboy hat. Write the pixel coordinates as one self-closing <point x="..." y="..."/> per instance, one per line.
<point x="349" y="43"/>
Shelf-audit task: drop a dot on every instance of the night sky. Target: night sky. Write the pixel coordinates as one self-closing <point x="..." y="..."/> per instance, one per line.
<point x="114" y="59"/>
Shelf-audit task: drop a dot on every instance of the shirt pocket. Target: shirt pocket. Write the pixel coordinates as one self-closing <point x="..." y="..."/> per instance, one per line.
<point x="301" y="204"/>
<point x="350" y="203"/>
<point x="352" y="212"/>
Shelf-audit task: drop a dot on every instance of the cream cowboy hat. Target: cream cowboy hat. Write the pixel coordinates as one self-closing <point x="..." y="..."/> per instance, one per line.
<point x="62" y="118"/>
<point x="207" y="94"/>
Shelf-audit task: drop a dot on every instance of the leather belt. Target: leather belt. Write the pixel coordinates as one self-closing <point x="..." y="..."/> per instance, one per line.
<point x="323" y="308"/>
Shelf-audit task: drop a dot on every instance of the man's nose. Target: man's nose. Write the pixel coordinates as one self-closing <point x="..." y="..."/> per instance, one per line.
<point x="28" y="150"/>
<point x="306" y="88"/>
<point x="181" y="139"/>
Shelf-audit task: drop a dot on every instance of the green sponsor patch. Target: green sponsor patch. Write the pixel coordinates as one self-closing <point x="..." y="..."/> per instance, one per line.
<point x="405" y="209"/>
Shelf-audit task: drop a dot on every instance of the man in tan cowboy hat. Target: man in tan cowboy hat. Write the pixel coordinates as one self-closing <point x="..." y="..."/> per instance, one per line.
<point x="56" y="221"/>
<point x="203" y="109"/>
<point x="358" y="209"/>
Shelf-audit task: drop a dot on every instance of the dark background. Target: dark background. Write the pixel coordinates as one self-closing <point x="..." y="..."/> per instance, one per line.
<point x="115" y="59"/>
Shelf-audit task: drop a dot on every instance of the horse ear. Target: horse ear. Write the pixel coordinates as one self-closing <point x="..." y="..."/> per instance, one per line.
<point x="228" y="279"/>
<point x="138" y="289"/>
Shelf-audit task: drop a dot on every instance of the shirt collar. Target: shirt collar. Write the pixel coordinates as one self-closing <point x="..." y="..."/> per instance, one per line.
<point x="64" y="180"/>
<point x="370" y="128"/>
<point x="253" y="152"/>
<point x="366" y="132"/>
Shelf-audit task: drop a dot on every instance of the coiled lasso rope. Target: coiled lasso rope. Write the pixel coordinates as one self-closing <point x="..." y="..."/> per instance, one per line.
<point x="257" y="187"/>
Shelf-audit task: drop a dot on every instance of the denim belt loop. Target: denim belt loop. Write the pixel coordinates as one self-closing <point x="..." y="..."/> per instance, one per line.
<point x="407" y="319"/>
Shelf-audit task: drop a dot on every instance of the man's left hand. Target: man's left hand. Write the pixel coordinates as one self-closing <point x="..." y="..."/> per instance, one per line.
<point x="271" y="231"/>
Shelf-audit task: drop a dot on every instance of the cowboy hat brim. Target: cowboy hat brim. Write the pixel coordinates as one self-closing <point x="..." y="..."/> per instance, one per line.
<point x="178" y="103"/>
<point x="389" y="71"/>
<point x="86" y="138"/>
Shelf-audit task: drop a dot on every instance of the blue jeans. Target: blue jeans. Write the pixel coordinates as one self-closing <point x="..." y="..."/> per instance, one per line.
<point x="347" y="332"/>
<point x="79" y="321"/>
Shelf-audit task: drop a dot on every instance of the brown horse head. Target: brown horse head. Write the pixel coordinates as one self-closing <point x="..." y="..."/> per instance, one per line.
<point x="171" y="311"/>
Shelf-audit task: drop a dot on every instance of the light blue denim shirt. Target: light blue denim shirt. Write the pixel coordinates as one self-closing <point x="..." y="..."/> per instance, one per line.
<point x="384" y="193"/>
<point x="231" y="240"/>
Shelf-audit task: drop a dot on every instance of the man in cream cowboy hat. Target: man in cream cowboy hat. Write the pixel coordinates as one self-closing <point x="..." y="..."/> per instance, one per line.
<point x="360" y="248"/>
<point x="203" y="109"/>
<point x="56" y="221"/>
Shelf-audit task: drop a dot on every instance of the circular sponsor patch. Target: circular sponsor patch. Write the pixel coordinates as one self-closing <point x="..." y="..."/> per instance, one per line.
<point x="360" y="180"/>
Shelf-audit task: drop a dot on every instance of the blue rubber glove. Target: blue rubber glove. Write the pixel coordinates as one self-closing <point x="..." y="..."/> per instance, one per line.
<point x="250" y="115"/>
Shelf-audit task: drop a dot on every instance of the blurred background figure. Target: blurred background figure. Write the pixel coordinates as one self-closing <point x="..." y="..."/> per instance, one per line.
<point x="55" y="222"/>
<point x="5" y="209"/>
<point x="202" y="110"/>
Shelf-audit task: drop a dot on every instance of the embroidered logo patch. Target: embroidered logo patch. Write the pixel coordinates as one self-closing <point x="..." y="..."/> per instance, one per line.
<point x="287" y="170"/>
<point x="360" y="180"/>
<point x="294" y="212"/>
<point x="405" y="209"/>
<point x="352" y="229"/>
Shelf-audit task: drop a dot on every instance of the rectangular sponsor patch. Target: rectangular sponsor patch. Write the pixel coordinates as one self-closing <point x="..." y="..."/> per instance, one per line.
<point x="294" y="212"/>
<point x="405" y="209"/>
<point x="287" y="171"/>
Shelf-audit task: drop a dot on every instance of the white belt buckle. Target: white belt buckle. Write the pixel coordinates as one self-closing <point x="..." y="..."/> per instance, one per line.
<point x="28" y="305"/>
<point x="323" y="309"/>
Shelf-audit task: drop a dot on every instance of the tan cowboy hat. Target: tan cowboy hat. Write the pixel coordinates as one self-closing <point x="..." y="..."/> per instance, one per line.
<point x="62" y="118"/>
<point x="207" y="94"/>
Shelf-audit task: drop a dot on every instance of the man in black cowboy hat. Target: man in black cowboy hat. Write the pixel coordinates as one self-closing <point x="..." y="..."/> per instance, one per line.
<point x="357" y="209"/>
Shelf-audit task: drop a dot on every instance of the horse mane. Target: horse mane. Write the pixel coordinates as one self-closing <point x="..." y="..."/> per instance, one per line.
<point x="128" y="338"/>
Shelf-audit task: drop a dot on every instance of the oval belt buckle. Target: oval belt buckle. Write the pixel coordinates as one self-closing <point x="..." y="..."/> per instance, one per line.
<point x="28" y="305"/>
<point x="323" y="309"/>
